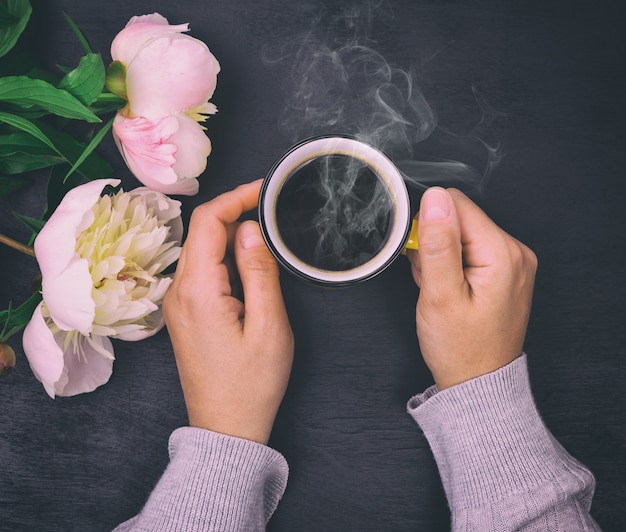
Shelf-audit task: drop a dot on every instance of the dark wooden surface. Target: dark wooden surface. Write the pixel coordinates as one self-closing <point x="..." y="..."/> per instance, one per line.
<point x="553" y="72"/>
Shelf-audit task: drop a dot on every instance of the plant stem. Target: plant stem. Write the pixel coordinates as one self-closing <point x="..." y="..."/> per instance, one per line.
<point x="17" y="245"/>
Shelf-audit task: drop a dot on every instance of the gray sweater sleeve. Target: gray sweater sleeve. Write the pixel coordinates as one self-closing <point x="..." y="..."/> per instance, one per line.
<point x="213" y="482"/>
<point x="500" y="466"/>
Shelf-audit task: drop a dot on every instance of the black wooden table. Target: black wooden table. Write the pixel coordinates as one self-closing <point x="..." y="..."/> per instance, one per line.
<point x="549" y="79"/>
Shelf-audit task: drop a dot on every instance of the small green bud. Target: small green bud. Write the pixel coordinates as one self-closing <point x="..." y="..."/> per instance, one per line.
<point x="7" y="359"/>
<point x="116" y="79"/>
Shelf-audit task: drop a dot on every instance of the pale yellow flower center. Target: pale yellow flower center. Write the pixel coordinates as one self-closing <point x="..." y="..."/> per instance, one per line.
<point x="196" y="114"/>
<point x="127" y="246"/>
<point x="199" y="114"/>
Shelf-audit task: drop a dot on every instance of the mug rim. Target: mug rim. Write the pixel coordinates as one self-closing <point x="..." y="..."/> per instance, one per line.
<point x="306" y="151"/>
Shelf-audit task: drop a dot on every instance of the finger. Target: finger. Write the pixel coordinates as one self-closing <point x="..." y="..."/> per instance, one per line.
<point x="440" y="265"/>
<point x="483" y="241"/>
<point x="259" y="275"/>
<point x="231" y="229"/>
<point x="207" y="239"/>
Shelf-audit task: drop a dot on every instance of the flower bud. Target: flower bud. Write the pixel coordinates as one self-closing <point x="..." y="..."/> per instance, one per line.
<point x="7" y="359"/>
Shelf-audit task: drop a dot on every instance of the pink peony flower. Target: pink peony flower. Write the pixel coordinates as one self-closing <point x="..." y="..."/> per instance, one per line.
<point x="170" y="78"/>
<point x="101" y="261"/>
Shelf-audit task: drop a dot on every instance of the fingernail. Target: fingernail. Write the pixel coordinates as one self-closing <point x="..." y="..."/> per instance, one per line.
<point x="435" y="205"/>
<point x="250" y="236"/>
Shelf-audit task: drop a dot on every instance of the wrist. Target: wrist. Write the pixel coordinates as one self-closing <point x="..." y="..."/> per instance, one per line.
<point x="472" y="369"/>
<point x="251" y="430"/>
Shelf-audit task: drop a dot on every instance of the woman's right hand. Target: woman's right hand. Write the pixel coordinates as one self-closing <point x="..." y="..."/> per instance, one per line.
<point x="476" y="285"/>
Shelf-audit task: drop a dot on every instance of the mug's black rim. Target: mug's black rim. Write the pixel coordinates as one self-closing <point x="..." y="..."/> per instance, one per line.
<point x="288" y="265"/>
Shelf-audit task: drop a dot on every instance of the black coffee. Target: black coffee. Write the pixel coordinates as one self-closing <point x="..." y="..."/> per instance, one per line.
<point x="334" y="213"/>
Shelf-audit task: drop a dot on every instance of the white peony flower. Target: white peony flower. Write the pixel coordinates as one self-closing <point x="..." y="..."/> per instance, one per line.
<point x="101" y="260"/>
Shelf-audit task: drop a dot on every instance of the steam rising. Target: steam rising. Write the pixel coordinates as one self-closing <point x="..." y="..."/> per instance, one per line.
<point x="353" y="89"/>
<point x="334" y="213"/>
<point x="350" y="236"/>
<point x="341" y="85"/>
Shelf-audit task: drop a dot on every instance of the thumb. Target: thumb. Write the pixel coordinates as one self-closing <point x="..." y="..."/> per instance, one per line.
<point x="259" y="276"/>
<point x="439" y="259"/>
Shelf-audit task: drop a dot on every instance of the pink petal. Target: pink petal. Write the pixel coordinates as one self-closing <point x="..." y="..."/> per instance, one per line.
<point x="66" y="282"/>
<point x="207" y="109"/>
<point x="56" y="242"/>
<point x="90" y="370"/>
<point x="138" y="32"/>
<point x="144" y="145"/>
<point x="86" y="363"/>
<point x="151" y="153"/>
<point x="183" y="187"/>
<point x="68" y="296"/>
<point x="193" y="148"/>
<point x="171" y="75"/>
<point x="154" y="18"/>
<point x="43" y="353"/>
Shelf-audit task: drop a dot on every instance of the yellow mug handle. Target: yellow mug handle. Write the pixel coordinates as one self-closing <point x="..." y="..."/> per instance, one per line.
<point x="411" y="243"/>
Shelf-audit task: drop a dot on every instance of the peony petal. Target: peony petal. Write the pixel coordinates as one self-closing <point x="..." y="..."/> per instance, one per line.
<point x="92" y="368"/>
<point x="207" y="109"/>
<point x="68" y="295"/>
<point x="143" y="145"/>
<point x="147" y="149"/>
<point x="55" y="245"/>
<point x="166" y="209"/>
<point x="170" y="75"/>
<point x="138" y="32"/>
<point x="193" y="148"/>
<point x="155" y="324"/>
<point x="43" y="353"/>
<point x="160" y="288"/>
<point x="154" y="18"/>
<point x="108" y="267"/>
<point x="66" y="363"/>
<point x="183" y="187"/>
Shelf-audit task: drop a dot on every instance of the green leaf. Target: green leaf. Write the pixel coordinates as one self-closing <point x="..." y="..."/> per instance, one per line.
<point x="14" y="320"/>
<point x="17" y="142"/>
<point x="64" y="69"/>
<point x="86" y="81"/>
<point x="64" y="145"/>
<point x="91" y="146"/>
<point x="107" y="102"/>
<point x="27" y="92"/>
<point x="20" y="152"/>
<point x="29" y="127"/>
<point x="9" y="184"/>
<point x="45" y="75"/>
<point x="78" y="33"/>
<point x="94" y="167"/>
<point x="20" y="162"/>
<point x="9" y="34"/>
<point x="34" y="224"/>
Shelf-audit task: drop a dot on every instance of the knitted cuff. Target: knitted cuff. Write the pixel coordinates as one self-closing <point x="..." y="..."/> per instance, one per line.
<point x="488" y="438"/>
<point x="215" y="482"/>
